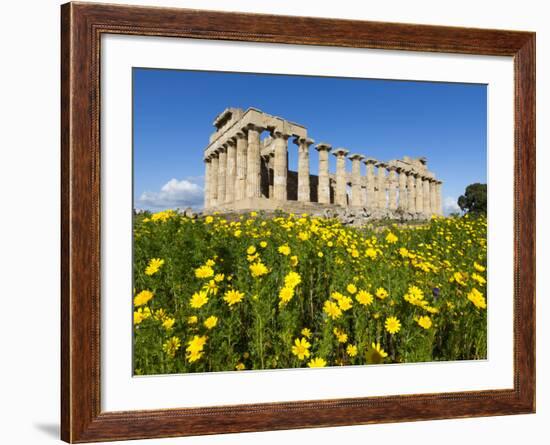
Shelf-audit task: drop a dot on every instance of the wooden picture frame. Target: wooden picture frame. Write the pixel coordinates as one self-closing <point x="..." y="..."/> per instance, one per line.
<point x="82" y="25"/>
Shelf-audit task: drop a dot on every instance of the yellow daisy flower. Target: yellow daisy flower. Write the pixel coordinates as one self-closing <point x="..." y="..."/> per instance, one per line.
<point x="351" y="350"/>
<point x="317" y="363"/>
<point x="233" y="296"/>
<point x="375" y="354"/>
<point x="211" y="322"/>
<point x="301" y="348"/>
<point x="392" y="325"/>
<point x="143" y="297"/>
<point x="153" y="266"/>
<point x="199" y="299"/>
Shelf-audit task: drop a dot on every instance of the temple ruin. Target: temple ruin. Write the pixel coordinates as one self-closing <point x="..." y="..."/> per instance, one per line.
<point x="245" y="172"/>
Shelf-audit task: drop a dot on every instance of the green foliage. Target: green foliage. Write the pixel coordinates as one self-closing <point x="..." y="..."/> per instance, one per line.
<point x="474" y="200"/>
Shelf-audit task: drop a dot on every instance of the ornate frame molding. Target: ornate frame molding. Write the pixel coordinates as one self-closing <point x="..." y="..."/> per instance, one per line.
<point x="82" y="25"/>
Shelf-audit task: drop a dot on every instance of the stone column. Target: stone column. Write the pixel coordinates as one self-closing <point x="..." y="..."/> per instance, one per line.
<point x="323" y="188"/>
<point x="426" y="195"/>
<point x="304" y="192"/>
<point x="370" y="183"/>
<point x="433" y="197"/>
<point x="392" y="187"/>
<point x="411" y="192"/>
<point x="214" y="174"/>
<point x="253" y="179"/>
<point x="439" y="197"/>
<point x="240" y="178"/>
<point x="419" y="194"/>
<point x="270" y="168"/>
<point x="363" y="190"/>
<point x="403" y="203"/>
<point x="340" y="197"/>
<point x="207" y="198"/>
<point x="222" y="173"/>
<point x="381" y="185"/>
<point x="280" y="169"/>
<point x="356" y="195"/>
<point x="230" y="170"/>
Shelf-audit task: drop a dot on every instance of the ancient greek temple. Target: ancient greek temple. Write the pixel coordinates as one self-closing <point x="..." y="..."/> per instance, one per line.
<point x="246" y="168"/>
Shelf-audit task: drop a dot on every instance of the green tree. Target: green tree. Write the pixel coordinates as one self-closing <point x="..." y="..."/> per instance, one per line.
<point x="474" y="199"/>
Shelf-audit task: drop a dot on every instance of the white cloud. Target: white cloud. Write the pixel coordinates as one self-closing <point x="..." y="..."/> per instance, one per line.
<point x="175" y="194"/>
<point x="450" y="205"/>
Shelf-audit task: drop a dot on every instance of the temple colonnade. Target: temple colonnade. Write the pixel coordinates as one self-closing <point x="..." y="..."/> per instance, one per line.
<point x="235" y="157"/>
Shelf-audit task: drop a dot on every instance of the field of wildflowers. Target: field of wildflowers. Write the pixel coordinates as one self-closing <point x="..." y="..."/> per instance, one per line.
<point x="253" y="292"/>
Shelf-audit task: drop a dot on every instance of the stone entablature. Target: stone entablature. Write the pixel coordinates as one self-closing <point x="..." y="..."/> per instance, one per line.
<point x="233" y="120"/>
<point x="245" y="172"/>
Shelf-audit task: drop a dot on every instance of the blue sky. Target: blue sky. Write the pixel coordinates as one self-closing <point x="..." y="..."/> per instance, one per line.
<point x="385" y="119"/>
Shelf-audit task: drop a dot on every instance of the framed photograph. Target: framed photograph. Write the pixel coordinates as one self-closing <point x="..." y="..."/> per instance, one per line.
<point x="274" y="222"/>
